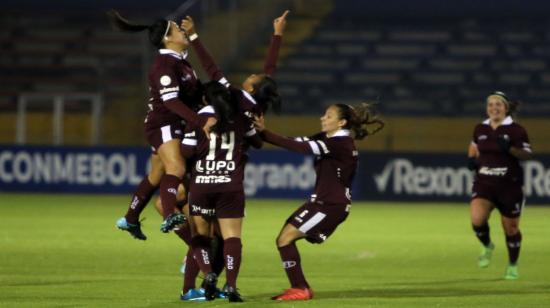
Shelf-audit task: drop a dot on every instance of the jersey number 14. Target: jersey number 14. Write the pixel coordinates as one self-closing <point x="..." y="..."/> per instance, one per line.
<point x="227" y="143"/>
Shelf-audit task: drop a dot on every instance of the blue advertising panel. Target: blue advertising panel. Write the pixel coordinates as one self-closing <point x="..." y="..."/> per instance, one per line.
<point x="269" y="173"/>
<point x="436" y="177"/>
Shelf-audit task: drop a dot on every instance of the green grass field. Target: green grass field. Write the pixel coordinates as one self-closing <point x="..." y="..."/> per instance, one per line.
<point x="64" y="251"/>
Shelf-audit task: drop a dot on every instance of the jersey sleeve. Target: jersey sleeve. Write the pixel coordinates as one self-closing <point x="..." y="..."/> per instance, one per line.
<point x="272" y="54"/>
<point x="208" y="63"/>
<point x="311" y="147"/>
<point x="166" y="81"/>
<point x="522" y="140"/>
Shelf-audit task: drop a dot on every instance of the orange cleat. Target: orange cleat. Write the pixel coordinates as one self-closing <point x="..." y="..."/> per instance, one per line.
<point x="294" y="294"/>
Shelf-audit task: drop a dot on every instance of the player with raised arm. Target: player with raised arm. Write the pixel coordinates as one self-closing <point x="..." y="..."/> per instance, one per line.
<point x="335" y="166"/>
<point x="497" y="147"/>
<point x="259" y="91"/>
<point x="176" y="93"/>
<point x="216" y="188"/>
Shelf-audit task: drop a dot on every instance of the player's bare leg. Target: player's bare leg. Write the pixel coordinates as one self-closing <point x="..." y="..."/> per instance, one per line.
<point x="286" y="243"/>
<point x="513" y="243"/>
<point x="480" y="211"/>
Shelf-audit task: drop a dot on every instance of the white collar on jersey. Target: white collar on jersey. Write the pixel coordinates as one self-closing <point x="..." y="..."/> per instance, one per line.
<point x="207" y="109"/>
<point x="341" y="133"/>
<point x="507" y="121"/>
<point x="174" y="54"/>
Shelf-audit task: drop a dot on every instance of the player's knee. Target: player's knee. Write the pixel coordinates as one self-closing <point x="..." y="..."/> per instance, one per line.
<point x="511" y="229"/>
<point x="282" y="240"/>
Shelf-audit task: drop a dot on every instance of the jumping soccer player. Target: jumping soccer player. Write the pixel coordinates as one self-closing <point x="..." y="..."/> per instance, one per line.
<point x="176" y="93"/>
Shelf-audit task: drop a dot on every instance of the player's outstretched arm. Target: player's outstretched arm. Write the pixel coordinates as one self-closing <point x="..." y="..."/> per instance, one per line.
<point x="207" y="62"/>
<point x="279" y="25"/>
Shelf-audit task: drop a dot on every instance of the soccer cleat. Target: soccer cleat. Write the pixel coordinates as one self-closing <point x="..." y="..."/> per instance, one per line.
<point x="209" y="285"/>
<point x="511" y="272"/>
<point x="133" y="229"/>
<point x="195" y="295"/>
<point x="232" y="294"/>
<point x="484" y="258"/>
<point x="171" y="222"/>
<point x="294" y="294"/>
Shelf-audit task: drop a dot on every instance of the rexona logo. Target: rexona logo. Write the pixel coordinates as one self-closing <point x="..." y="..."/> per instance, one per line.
<point x="537" y="179"/>
<point x="279" y="176"/>
<point x="400" y="176"/>
<point x="409" y="179"/>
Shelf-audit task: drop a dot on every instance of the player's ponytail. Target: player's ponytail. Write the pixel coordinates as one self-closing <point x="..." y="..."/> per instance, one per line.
<point x="265" y="93"/>
<point x="360" y="118"/>
<point x="219" y="97"/>
<point x="157" y="31"/>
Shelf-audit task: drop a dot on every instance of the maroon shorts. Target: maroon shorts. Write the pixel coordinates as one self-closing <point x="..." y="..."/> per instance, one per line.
<point x="219" y="205"/>
<point x="159" y="135"/>
<point x="506" y="196"/>
<point x="318" y="221"/>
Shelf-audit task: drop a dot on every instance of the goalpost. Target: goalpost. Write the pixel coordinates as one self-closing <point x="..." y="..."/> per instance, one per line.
<point x="58" y="100"/>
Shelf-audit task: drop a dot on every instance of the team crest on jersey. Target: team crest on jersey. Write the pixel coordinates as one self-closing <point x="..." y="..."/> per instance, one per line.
<point x="165" y="80"/>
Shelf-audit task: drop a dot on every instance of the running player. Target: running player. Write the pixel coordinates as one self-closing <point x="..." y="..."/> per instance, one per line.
<point x="498" y="146"/>
<point x="216" y="190"/>
<point x="335" y="166"/>
<point x="175" y="93"/>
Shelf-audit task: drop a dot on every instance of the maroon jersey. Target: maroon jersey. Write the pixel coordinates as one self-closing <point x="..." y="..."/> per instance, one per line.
<point x="494" y="164"/>
<point x="335" y="163"/>
<point x="220" y="161"/>
<point x="175" y="91"/>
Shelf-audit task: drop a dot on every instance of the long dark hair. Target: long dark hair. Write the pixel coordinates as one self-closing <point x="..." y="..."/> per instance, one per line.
<point x="219" y="97"/>
<point x="157" y="30"/>
<point x="265" y="93"/>
<point x="359" y="118"/>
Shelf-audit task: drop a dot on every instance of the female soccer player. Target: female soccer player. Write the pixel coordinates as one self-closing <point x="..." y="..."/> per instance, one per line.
<point x="329" y="206"/>
<point x="175" y="94"/>
<point x="498" y="145"/>
<point x="216" y="189"/>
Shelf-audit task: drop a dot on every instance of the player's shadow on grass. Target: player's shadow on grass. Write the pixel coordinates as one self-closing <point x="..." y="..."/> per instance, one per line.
<point x="416" y="291"/>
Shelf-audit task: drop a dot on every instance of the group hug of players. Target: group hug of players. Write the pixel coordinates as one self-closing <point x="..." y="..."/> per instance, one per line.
<point x="200" y="133"/>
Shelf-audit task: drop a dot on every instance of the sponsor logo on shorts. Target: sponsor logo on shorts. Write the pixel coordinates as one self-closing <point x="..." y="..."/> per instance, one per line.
<point x="289" y="264"/>
<point x="206" y="212"/>
<point x="501" y="171"/>
<point x="172" y="191"/>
